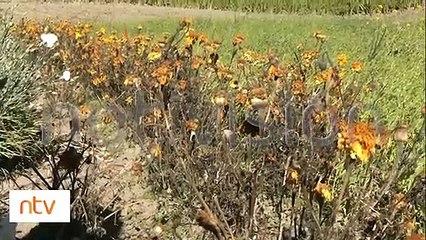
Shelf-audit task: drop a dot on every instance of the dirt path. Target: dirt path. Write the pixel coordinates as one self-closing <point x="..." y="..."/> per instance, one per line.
<point x="122" y="12"/>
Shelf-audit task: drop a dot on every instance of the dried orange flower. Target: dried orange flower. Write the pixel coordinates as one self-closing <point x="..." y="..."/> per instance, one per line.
<point x="360" y="139"/>
<point x="182" y="85"/>
<point x="324" y="191"/>
<point x="294" y="176"/>
<point x="202" y="38"/>
<point x="238" y="39"/>
<point x="158" y="113"/>
<point x="137" y="167"/>
<point x="188" y="41"/>
<point x="249" y="56"/>
<point x="324" y="76"/>
<point x="118" y="60"/>
<point x="308" y="57"/>
<point x="259" y="92"/>
<point x="220" y="99"/>
<point x="320" y="117"/>
<point x="191" y="37"/>
<point x="192" y="33"/>
<point x="212" y="46"/>
<point x="130" y="80"/>
<point x="275" y="72"/>
<point x="298" y="87"/>
<point x="149" y="119"/>
<point x="178" y="63"/>
<point x="356" y="66"/>
<point x="399" y="201"/>
<point x="84" y="110"/>
<point x="224" y="73"/>
<point x="196" y="62"/>
<point x="192" y="124"/>
<point x="163" y="73"/>
<point x="241" y="97"/>
<point x="99" y="79"/>
<point x="155" y="150"/>
<point x="409" y="226"/>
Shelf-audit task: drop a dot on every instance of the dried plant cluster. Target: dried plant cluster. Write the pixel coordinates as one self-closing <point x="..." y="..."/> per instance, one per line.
<point x="250" y="147"/>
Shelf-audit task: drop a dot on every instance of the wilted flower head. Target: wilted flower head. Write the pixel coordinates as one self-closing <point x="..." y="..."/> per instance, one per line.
<point x="275" y="72"/>
<point x="324" y="191"/>
<point x="192" y="124"/>
<point x="155" y="150"/>
<point x="356" y="66"/>
<point x="360" y="139"/>
<point x="238" y="39"/>
<point x="293" y="176"/>
<point x="399" y="201"/>
<point x="401" y="133"/>
<point x="221" y="99"/>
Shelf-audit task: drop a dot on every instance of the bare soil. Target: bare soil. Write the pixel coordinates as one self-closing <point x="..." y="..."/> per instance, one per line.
<point x="107" y="12"/>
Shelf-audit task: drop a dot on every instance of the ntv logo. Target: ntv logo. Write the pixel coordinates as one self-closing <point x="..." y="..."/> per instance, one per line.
<point x="39" y="206"/>
<point x="32" y="206"/>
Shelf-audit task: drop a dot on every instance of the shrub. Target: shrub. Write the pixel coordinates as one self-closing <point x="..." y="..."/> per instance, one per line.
<point x="254" y="147"/>
<point x="18" y="86"/>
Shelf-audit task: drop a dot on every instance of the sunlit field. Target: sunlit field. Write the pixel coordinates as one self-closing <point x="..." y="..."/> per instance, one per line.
<point x="304" y="124"/>
<point x="339" y="7"/>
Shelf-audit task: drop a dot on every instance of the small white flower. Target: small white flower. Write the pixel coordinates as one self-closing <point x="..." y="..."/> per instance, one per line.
<point x="49" y="39"/>
<point x="66" y="75"/>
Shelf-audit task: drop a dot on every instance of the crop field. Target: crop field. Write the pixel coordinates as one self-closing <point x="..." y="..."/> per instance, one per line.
<point x="222" y="120"/>
<point x="339" y="7"/>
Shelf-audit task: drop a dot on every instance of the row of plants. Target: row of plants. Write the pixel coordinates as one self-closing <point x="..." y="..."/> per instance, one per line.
<point x="249" y="146"/>
<point x="340" y="7"/>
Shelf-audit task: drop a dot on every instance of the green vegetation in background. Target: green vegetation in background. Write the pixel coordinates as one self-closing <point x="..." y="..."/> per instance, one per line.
<point x="289" y="6"/>
<point x="399" y="68"/>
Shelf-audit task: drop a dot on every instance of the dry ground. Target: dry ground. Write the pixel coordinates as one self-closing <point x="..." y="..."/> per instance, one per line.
<point x="108" y="12"/>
